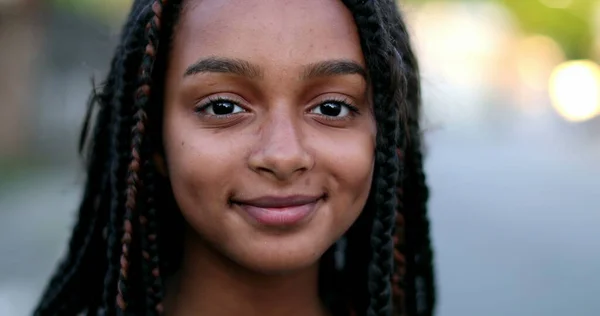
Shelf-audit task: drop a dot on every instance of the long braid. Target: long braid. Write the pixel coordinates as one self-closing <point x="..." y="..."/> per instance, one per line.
<point x="129" y="59"/>
<point x="413" y="256"/>
<point x="368" y="19"/>
<point x="77" y="284"/>
<point x="398" y="278"/>
<point x="357" y="258"/>
<point x="417" y="262"/>
<point x="409" y="100"/>
<point x="358" y="249"/>
<point x="65" y="279"/>
<point x="380" y="270"/>
<point x="138" y="131"/>
<point x="397" y="80"/>
<point x="149" y="220"/>
<point x="420" y="274"/>
<point x="70" y="271"/>
<point x="117" y="172"/>
<point x="151" y="264"/>
<point x="112" y="232"/>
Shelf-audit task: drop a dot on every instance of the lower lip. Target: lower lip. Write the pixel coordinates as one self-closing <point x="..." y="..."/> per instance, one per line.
<point x="285" y="216"/>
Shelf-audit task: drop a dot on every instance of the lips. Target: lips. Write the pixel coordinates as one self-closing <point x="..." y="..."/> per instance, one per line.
<point x="279" y="211"/>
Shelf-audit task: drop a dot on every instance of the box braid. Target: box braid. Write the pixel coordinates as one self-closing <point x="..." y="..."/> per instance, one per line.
<point x="413" y="240"/>
<point x="380" y="26"/>
<point x="122" y="120"/>
<point x="420" y="275"/>
<point x="76" y="264"/>
<point x="75" y="283"/>
<point x="142" y="97"/>
<point x="377" y="51"/>
<point x="121" y="200"/>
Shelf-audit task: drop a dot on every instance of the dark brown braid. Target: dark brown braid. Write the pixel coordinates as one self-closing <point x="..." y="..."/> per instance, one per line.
<point x="420" y="299"/>
<point x="381" y="61"/>
<point x="404" y="92"/>
<point x="398" y="282"/>
<point x="414" y="267"/>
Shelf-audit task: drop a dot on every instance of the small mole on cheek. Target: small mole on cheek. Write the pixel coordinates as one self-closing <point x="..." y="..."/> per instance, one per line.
<point x="182" y="143"/>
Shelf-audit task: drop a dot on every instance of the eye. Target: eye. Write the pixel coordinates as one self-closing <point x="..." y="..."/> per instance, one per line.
<point x="334" y="109"/>
<point x="220" y="107"/>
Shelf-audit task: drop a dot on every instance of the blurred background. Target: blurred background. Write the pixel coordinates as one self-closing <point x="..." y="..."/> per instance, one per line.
<point x="512" y="123"/>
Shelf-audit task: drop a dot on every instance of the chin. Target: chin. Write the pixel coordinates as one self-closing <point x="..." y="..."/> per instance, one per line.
<point x="283" y="265"/>
<point x="284" y="255"/>
<point x="235" y="238"/>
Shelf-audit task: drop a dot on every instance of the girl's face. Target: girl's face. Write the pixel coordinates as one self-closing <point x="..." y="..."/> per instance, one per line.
<point x="268" y="130"/>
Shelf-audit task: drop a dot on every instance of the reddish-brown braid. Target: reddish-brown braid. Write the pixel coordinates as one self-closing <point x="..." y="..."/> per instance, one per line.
<point x="133" y="180"/>
<point x="148" y="220"/>
<point x="151" y="270"/>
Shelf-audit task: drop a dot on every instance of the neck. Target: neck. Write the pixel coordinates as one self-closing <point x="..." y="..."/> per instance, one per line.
<point x="208" y="283"/>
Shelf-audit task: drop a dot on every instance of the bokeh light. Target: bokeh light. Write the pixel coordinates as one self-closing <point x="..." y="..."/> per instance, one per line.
<point x="575" y="90"/>
<point x="537" y="57"/>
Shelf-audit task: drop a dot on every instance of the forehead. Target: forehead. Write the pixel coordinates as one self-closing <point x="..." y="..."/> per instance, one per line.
<point x="273" y="32"/>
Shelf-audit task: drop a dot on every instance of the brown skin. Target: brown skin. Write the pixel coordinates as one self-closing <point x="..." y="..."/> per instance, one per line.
<point x="277" y="141"/>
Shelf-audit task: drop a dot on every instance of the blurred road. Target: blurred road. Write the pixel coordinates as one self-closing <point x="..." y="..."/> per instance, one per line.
<point x="515" y="224"/>
<point x="36" y="214"/>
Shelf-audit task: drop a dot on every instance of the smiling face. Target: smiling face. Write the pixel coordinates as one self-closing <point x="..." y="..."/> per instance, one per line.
<point x="268" y="132"/>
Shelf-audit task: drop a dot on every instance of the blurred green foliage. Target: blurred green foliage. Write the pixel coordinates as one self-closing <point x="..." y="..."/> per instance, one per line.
<point x="107" y="11"/>
<point x="571" y="26"/>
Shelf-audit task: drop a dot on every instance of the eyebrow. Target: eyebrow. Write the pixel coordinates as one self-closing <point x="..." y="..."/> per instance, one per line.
<point x="224" y="65"/>
<point x="336" y="67"/>
<point x="327" y="68"/>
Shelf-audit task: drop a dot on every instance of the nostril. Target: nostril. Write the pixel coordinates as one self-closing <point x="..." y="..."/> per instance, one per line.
<point x="280" y="161"/>
<point x="264" y="169"/>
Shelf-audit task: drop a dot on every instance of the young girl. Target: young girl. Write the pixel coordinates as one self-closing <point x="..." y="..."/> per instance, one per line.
<point x="253" y="158"/>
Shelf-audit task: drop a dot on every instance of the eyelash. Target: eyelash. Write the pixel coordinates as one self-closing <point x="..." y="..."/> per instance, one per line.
<point x="353" y="110"/>
<point x="215" y="100"/>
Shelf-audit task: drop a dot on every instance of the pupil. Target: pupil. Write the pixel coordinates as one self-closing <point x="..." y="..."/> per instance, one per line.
<point x="331" y="109"/>
<point x="223" y="108"/>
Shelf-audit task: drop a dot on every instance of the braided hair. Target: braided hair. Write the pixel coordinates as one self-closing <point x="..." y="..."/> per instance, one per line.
<point x="117" y="254"/>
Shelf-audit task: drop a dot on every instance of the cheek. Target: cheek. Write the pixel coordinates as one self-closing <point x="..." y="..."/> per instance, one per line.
<point x="351" y="165"/>
<point x="351" y="160"/>
<point x="198" y="165"/>
<point x="353" y="170"/>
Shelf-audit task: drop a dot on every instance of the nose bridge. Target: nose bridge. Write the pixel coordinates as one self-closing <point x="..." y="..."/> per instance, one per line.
<point x="281" y="149"/>
<point x="282" y="137"/>
<point x="280" y="133"/>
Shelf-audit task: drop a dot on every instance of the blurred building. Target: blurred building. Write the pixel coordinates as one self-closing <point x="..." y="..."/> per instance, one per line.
<point x="20" y="35"/>
<point x="49" y="56"/>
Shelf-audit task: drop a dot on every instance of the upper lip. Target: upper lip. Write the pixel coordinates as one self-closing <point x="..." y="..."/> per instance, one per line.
<point x="279" y="201"/>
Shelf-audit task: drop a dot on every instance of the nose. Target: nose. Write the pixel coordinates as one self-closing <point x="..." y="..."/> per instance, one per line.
<point x="280" y="152"/>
